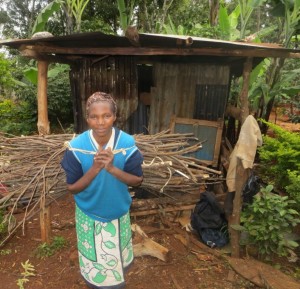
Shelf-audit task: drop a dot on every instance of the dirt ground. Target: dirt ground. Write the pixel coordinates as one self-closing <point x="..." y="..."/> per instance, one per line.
<point x="187" y="267"/>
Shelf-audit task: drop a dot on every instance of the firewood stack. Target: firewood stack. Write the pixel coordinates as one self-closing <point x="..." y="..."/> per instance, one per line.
<point x="31" y="174"/>
<point x="168" y="168"/>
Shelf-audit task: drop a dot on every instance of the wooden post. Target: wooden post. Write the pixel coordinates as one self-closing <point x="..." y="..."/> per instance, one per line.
<point x="43" y="121"/>
<point x="241" y="174"/>
<point x="45" y="221"/>
<point x="240" y="180"/>
<point x="43" y="129"/>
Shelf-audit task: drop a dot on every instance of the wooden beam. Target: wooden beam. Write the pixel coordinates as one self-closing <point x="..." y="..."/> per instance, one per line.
<point x="70" y="59"/>
<point x="43" y="121"/>
<point x="247" y="52"/>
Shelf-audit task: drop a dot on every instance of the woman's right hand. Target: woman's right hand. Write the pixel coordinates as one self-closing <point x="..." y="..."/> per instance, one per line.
<point x="98" y="162"/>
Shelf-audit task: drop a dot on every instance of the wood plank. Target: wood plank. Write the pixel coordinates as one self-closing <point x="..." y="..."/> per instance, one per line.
<point x="164" y="51"/>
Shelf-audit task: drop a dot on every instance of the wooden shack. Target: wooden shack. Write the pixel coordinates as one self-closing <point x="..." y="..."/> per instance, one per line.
<point x="160" y="82"/>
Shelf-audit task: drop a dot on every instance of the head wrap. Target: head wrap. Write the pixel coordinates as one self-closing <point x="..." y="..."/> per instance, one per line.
<point x="101" y="97"/>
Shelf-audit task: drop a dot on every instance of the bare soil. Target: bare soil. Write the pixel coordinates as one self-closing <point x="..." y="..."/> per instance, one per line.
<point x="61" y="270"/>
<point x="186" y="267"/>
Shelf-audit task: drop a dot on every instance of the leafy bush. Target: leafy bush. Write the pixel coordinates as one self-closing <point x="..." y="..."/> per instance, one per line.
<point x="268" y="220"/>
<point x="17" y="118"/>
<point x="6" y="72"/>
<point x="293" y="189"/>
<point x="278" y="156"/>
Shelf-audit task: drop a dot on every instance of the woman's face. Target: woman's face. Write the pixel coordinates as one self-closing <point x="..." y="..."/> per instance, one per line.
<point x="101" y="119"/>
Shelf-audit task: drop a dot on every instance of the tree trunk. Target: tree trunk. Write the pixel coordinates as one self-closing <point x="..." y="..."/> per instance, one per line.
<point x="213" y="12"/>
<point x="272" y="78"/>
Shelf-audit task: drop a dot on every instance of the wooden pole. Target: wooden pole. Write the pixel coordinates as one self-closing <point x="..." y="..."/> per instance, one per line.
<point x="43" y="129"/>
<point x="241" y="174"/>
<point x="43" y="121"/>
<point x="45" y="221"/>
<point x="240" y="180"/>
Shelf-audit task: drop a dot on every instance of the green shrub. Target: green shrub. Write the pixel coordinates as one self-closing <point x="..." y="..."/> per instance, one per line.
<point x="293" y="189"/>
<point x="279" y="155"/>
<point x="17" y="118"/>
<point x="46" y="250"/>
<point x="268" y="220"/>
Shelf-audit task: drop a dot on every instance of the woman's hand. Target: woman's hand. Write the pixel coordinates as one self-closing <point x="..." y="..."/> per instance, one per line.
<point x="98" y="164"/>
<point x="106" y="158"/>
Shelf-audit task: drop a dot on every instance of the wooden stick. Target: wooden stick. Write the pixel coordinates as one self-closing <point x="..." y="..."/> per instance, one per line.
<point x="157" y="211"/>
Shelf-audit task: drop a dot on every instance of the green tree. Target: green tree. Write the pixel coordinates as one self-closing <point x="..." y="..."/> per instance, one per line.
<point x="6" y="72"/>
<point x="21" y="15"/>
<point x="288" y="13"/>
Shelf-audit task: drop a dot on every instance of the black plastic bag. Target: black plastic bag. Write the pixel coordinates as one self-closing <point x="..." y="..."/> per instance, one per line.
<point x="250" y="189"/>
<point x="209" y="221"/>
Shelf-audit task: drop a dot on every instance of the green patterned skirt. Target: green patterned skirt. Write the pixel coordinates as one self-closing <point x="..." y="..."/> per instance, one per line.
<point x="105" y="250"/>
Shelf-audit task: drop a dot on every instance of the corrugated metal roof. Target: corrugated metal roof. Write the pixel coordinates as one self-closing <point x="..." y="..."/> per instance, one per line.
<point x="146" y="40"/>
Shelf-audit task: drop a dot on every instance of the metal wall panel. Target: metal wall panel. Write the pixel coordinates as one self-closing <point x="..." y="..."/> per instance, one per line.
<point x="210" y="101"/>
<point x="176" y="87"/>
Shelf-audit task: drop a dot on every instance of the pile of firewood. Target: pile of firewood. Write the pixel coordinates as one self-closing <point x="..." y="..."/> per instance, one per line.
<point x="168" y="165"/>
<point x="31" y="175"/>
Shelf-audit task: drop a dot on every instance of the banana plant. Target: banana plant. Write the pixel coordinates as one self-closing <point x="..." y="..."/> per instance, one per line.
<point x="72" y="8"/>
<point x="247" y="7"/>
<point x="289" y="13"/>
<point x="228" y="22"/>
<point x="77" y="8"/>
<point x="125" y="13"/>
<point x="43" y="17"/>
<point x="31" y="73"/>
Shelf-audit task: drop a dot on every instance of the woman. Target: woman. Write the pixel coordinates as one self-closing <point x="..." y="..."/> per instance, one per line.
<point x="100" y="164"/>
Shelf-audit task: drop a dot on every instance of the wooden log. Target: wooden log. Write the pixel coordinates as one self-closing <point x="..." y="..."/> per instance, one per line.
<point x="146" y="246"/>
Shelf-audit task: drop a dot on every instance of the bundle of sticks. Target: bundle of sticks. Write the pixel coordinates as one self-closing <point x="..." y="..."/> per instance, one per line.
<point x="31" y="175"/>
<point x="168" y="165"/>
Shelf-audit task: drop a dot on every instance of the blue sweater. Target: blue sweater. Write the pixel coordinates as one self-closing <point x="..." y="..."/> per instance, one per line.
<point x="106" y="198"/>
